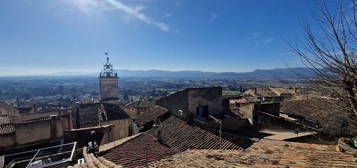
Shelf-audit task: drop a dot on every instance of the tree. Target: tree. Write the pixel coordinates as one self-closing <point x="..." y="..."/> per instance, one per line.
<point x="330" y="52"/>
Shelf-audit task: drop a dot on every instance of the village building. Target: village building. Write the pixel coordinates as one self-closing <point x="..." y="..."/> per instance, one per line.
<point x="265" y="94"/>
<point x="19" y="131"/>
<point x="196" y="127"/>
<point x="198" y="124"/>
<point x="194" y="103"/>
<point x="134" y="109"/>
<point x="110" y="117"/>
<point x="267" y="121"/>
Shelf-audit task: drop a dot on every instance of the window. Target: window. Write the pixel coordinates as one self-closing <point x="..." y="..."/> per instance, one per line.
<point x="103" y="117"/>
<point x="121" y="122"/>
<point x="121" y="133"/>
<point x="202" y="111"/>
<point x="205" y="111"/>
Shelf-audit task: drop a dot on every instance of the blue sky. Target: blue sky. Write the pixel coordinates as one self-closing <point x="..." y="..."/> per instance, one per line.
<point x="45" y="36"/>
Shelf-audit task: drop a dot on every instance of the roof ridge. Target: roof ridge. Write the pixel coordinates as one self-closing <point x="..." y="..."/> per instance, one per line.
<point x="111" y="145"/>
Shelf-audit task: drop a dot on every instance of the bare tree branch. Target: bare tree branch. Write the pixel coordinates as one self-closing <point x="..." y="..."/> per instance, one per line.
<point x="330" y="53"/>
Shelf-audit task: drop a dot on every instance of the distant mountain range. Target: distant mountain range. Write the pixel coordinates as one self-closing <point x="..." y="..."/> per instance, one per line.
<point x="281" y="73"/>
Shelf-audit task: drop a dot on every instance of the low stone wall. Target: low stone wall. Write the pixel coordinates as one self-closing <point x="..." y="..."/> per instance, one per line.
<point x="33" y="131"/>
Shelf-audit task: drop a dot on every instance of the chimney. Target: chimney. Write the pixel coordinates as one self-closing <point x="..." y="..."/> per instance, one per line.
<point x="158" y="135"/>
<point x="255" y="90"/>
<point x="157" y="131"/>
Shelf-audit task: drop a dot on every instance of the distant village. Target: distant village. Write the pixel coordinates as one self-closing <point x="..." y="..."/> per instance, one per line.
<point x="190" y="127"/>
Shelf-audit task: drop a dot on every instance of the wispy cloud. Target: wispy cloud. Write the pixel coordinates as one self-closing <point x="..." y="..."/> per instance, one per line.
<point x="87" y="6"/>
<point x="139" y="8"/>
<point x="257" y="38"/>
<point x="268" y="40"/>
<point x="213" y="17"/>
<point x="167" y="15"/>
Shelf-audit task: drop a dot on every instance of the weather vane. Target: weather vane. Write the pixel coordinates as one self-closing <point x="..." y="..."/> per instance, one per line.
<point x="106" y="53"/>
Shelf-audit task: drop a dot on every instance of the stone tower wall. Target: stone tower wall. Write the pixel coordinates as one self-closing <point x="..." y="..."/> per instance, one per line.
<point x="108" y="88"/>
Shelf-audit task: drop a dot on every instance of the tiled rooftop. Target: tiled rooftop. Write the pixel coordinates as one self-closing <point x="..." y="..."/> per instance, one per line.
<point x="324" y="111"/>
<point x="267" y="92"/>
<point x="201" y="147"/>
<point x="4" y="119"/>
<point x="176" y="136"/>
<point x="140" y="103"/>
<point x="90" y="161"/>
<point x="6" y="127"/>
<point x="139" y="151"/>
<point x="150" y="114"/>
<point x="182" y="136"/>
<point x="116" y="143"/>
<point x="264" y="153"/>
<point x="115" y="112"/>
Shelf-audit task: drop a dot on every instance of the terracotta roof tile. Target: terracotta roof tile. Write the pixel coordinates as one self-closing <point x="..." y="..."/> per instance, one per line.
<point x="140" y="103"/>
<point x="264" y="153"/>
<point x="6" y="126"/>
<point x="180" y="135"/>
<point x="139" y="151"/>
<point x="115" y="112"/>
<point x="266" y="92"/>
<point x="150" y="114"/>
<point x="324" y="111"/>
<point x="91" y="161"/>
<point x="4" y="119"/>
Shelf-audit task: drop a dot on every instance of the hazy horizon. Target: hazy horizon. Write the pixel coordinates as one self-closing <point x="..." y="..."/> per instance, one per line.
<point x="93" y="73"/>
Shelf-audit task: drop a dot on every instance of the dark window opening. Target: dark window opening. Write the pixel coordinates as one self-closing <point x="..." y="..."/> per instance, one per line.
<point x="202" y="111"/>
<point x="103" y="117"/>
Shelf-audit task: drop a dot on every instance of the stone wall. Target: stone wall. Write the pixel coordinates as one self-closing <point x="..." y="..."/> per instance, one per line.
<point x="24" y="117"/>
<point x="247" y="111"/>
<point x="85" y="115"/>
<point x="211" y="97"/>
<point x="7" y="140"/>
<point x="271" y="108"/>
<point x="108" y="88"/>
<point x="29" y="132"/>
<point x="230" y="124"/>
<point x="33" y="131"/>
<point x="119" y="125"/>
<point x="175" y="102"/>
<point x="189" y="99"/>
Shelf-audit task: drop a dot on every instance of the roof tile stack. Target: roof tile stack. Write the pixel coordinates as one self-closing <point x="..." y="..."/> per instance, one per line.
<point x="6" y="126"/>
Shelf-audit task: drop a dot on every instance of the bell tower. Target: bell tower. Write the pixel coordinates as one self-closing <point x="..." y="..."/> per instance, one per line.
<point x="108" y="82"/>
